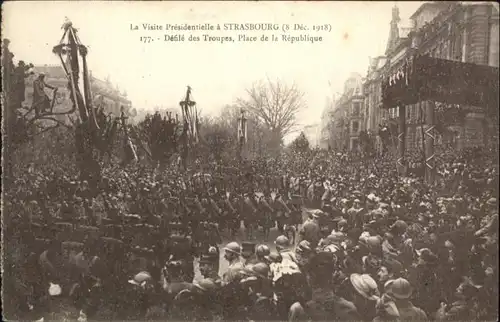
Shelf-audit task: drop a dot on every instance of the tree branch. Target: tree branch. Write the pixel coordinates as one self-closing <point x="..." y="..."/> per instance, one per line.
<point x="274" y="103"/>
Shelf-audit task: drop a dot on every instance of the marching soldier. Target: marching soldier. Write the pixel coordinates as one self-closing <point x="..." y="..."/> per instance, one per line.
<point x="266" y="214"/>
<point x="249" y="212"/>
<point x="216" y="211"/>
<point x="282" y="210"/>
<point x="224" y="218"/>
<point x="310" y="231"/>
<point x="295" y="205"/>
<point x="234" y="221"/>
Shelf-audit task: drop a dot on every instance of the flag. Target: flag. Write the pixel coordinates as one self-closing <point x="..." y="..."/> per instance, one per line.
<point x="194" y="127"/>
<point x="130" y="151"/>
<point x="245" y="130"/>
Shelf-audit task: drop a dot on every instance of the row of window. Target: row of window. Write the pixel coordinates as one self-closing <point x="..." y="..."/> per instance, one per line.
<point x="455" y="47"/>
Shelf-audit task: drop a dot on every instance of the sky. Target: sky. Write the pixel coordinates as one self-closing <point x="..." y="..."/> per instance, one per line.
<point x="157" y="73"/>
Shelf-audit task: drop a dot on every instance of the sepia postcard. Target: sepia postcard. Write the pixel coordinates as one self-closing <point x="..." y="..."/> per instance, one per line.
<point x="250" y="160"/>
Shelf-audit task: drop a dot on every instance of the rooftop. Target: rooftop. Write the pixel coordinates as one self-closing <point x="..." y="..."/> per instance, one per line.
<point x="429" y="5"/>
<point x="405" y="31"/>
<point x="52" y="71"/>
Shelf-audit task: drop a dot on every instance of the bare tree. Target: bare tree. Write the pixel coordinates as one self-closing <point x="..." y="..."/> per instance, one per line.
<point x="276" y="104"/>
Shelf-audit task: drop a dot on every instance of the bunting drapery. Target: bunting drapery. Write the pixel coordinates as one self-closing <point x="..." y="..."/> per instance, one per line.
<point x="424" y="78"/>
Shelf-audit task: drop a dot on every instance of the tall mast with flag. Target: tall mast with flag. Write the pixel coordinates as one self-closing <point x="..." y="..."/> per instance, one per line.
<point x="242" y="133"/>
<point x="129" y="147"/>
<point x="190" y="124"/>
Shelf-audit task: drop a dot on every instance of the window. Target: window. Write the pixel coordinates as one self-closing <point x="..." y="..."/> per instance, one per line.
<point x="457" y="47"/>
<point x="418" y="138"/>
<point x="464" y="45"/>
<point x="446" y="49"/>
<point x="493" y="45"/>
<point x="354" y="144"/>
<point x="413" y="114"/>
<point x="356" y="107"/>
<point x="355" y="126"/>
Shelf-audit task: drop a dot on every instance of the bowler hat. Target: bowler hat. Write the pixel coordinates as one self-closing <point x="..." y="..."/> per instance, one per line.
<point x="365" y="285"/>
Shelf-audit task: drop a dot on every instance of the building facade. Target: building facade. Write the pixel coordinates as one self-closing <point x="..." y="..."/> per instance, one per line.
<point x="313" y="134"/>
<point x="373" y="99"/>
<point x="103" y="92"/>
<point x="326" y="124"/>
<point x="465" y="32"/>
<point x="349" y="115"/>
<point x="461" y="31"/>
<point x="109" y="96"/>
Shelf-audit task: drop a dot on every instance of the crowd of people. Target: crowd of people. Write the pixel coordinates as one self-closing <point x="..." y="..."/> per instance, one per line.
<point x="376" y="246"/>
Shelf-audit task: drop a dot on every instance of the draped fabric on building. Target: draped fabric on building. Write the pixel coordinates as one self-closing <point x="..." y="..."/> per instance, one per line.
<point x="440" y="80"/>
<point x="456" y="47"/>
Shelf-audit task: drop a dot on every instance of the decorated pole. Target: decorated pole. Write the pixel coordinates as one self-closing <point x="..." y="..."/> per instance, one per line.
<point x="430" y="138"/>
<point x="189" y="129"/>
<point x="396" y="94"/>
<point x="242" y="135"/>
<point x="129" y="148"/>
<point x="69" y="50"/>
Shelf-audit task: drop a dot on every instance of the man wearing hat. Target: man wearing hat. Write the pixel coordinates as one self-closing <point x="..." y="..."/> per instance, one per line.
<point x="41" y="101"/>
<point x="400" y="290"/>
<point x="310" y="230"/>
<point x="232" y="253"/>
<point x="426" y="270"/>
<point x="324" y="304"/>
<point x="262" y="307"/>
<point x="284" y="248"/>
<point x="366" y="294"/>
<point x="354" y="214"/>
<point x="393" y="244"/>
<point x="390" y="269"/>
<point x="489" y="223"/>
<point x="285" y="274"/>
<point x="249" y="212"/>
<point x="281" y="209"/>
<point x="304" y="253"/>
<point x="465" y="308"/>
